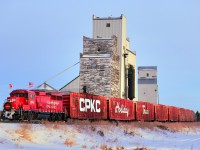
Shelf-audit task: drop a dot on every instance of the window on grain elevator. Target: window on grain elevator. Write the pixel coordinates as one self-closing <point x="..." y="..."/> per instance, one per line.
<point x="107" y="24"/>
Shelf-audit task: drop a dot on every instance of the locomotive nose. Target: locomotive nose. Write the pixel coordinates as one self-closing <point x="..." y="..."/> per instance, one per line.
<point x="7" y="106"/>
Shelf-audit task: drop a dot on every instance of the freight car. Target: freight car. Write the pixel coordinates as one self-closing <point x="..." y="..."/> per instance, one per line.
<point x="85" y="106"/>
<point x="35" y="104"/>
<point x="173" y="113"/>
<point x="121" y="109"/>
<point x="144" y="111"/>
<point x="161" y="112"/>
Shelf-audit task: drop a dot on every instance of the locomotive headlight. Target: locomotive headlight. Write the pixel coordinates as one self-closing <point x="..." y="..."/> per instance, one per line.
<point x="7" y="106"/>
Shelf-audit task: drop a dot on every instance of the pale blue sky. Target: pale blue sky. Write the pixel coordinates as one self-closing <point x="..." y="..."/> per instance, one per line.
<point x="41" y="38"/>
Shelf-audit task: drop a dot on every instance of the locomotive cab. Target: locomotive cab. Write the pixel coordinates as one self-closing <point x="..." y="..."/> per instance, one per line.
<point x="17" y="101"/>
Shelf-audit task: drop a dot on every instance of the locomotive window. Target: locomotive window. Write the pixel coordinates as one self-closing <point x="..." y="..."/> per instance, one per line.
<point x="21" y="94"/>
<point x="16" y="94"/>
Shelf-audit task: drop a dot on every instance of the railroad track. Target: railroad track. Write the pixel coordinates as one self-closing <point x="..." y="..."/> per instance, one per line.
<point x="22" y="121"/>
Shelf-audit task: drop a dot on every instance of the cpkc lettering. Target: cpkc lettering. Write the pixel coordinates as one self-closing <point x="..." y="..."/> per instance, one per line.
<point x="89" y="104"/>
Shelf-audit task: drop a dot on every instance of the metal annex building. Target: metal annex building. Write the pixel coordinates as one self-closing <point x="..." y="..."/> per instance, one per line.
<point x="147" y="84"/>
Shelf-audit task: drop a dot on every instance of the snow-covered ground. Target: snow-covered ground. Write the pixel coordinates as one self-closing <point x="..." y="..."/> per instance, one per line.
<point x="100" y="135"/>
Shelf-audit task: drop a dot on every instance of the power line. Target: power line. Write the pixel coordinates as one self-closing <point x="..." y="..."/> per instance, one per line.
<point x="61" y="72"/>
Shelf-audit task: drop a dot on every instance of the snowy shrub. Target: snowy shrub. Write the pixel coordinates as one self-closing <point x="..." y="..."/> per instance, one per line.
<point x="69" y="143"/>
<point x="84" y="146"/>
<point x="105" y="147"/>
<point x="100" y="133"/>
<point x="92" y="128"/>
<point x="162" y="127"/>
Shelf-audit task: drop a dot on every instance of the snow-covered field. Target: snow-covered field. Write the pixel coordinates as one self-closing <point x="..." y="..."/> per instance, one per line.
<point x="100" y="135"/>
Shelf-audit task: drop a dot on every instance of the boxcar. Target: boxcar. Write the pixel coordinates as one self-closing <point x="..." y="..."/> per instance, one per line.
<point x="173" y="113"/>
<point x="144" y="111"/>
<point x="85" y="106"/>
<point x="189" y="114"/>
<point x="192" y="116"/>
<point x="161" y="112"/>
<point x="182" y="114"/>
<point x="121" y="109"/>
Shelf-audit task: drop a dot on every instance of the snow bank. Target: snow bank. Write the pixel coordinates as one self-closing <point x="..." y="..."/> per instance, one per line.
<point x="100" y="135"/>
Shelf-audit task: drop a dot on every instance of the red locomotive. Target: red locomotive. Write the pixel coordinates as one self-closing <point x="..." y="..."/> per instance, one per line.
<point x="35" y="104"/>
<point x="30" y="105"/>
